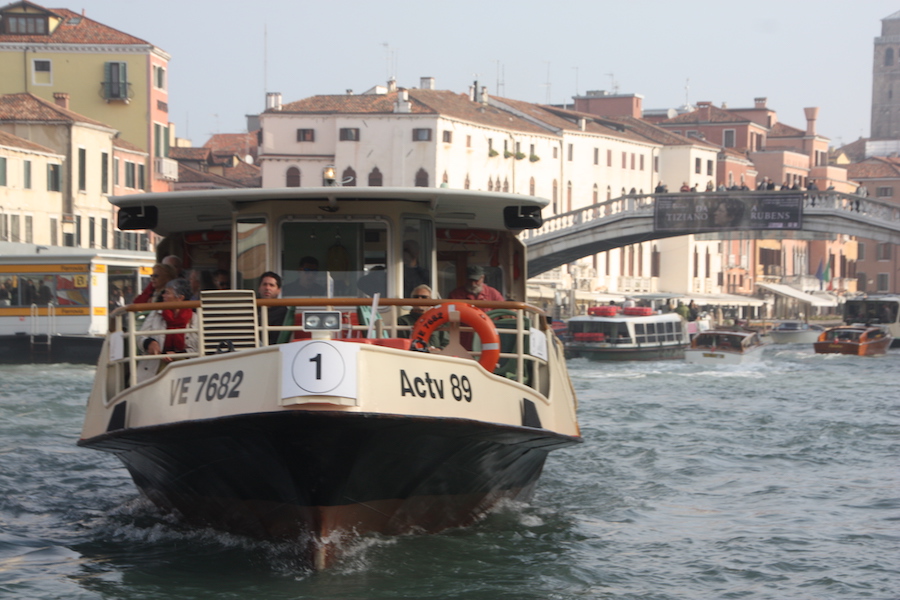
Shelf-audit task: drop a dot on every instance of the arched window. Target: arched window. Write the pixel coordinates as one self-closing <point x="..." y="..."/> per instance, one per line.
<point x="422" y="178"/>
<point x="596" y="197"/>
<point x="531" y="187"/>
<point x="467" y="184"/>
<point x="293" y="177"/>
<point x="348" y="179"/>
<point x="505" y="185"/>
<point x="497" y="184"/>
<point x="608" y="193"/>
<point x="888" y="57"/>
<point x="445" y="179"/>
<point x="569" y="197"/>
<point x="490" y="184"/>
<point x="375" y="178"/>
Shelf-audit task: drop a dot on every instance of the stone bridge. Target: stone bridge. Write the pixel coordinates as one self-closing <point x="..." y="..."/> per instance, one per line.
<point x="631" y="219"/>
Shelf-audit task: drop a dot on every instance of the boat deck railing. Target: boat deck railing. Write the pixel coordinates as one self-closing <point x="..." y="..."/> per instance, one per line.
<point x="216" y="332"/>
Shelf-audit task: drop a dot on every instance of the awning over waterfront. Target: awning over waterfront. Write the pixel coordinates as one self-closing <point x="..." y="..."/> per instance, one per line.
<point x="723" y="300"/>
<point x="786" y="290"/>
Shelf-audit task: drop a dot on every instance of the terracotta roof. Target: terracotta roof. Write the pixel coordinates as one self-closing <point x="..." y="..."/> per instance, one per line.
<point x="187" y="175"/>
<point x="199" y="154"/>
<point x="855" y="151"/>
<point x="716" y="115"/>
<point x="422" y="102"/>
<point x="567" y="120"/>
<point x="876" y="167"/>
<point x="14" y="141"/>
<point x="241" y="176"/>
<point x="781" y="130"/>
<point x="234" y="143"/>
<point x="658" y="134"/>
<point x="28" y="107"/>
<point x="124" y="144"/>
<point x="75" y="29"/>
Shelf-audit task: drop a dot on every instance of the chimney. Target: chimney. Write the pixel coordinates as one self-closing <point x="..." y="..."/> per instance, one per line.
<point x="483" y="95"/>
<point x="811" y="116"/>
<point x="61" y="99"/>
<point x="402" y="105"/>
<point x="273" y="101"/>
<point x="760" y="102"/>
<point x="426" y="83"/>
<point x="705" y="110"/>
<point x="391" y="85"/>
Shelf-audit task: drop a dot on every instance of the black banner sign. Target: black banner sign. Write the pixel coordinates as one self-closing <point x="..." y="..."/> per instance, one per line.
<point x="693" y="213"/>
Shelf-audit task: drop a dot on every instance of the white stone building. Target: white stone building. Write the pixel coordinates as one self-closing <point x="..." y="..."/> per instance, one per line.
<point x="428" y="137"/>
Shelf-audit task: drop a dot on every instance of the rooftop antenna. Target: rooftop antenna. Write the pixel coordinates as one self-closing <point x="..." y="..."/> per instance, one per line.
<point x="613" y="84"/>
<point x="576" y="80"/>
<point x="390" y="57"/>
<point x="501" y="84"/>
<point x="265" y="59"/>
<point x="547" y="84"/>
<point x="687" y="89"/>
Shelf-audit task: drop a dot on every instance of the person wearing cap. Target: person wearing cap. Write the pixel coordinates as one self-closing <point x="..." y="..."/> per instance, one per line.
<point x="475" y="287"/>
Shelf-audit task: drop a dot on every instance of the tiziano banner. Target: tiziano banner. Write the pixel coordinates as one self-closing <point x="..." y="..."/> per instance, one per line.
<point x="719" y="212"/>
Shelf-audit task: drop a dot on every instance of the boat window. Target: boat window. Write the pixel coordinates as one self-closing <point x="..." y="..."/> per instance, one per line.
<point x="418" y="249"/>
<point x="252" y="251"/>
<point x="59" y="289"/>
<point x="123" y="281"/>
<point x="334" y="259"/>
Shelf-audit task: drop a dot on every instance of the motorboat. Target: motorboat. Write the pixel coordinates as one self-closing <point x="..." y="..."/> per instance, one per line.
<point x="55" y="301"/>
<point x="795" y="332"/>
<point x="858" y="340"/>
<point x="611" y="332"/>
<point x="350" y="422"/>
<point x="724" y="347"/>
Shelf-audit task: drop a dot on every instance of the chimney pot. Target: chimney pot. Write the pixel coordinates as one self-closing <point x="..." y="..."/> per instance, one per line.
<point x="426" y="83"/>
<point x="760" y="102"/>
<point x="61" y="99"/>
<point x="273" y="101"/>
<point x="812" y="114"/>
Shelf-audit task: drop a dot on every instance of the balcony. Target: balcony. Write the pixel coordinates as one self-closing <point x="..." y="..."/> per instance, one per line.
<point x="165" y="168"/>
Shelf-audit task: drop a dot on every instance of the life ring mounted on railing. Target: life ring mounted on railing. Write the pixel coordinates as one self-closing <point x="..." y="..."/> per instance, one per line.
<point x="429" y="322"/>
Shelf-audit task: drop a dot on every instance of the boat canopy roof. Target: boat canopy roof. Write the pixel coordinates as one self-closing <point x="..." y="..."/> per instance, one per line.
<point x="172" y="212"/>
<point x="656" y="318"/>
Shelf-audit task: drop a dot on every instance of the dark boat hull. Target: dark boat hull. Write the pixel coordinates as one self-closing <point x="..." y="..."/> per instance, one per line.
<point x="77" y="349"/>
<point x="310" y="476"/>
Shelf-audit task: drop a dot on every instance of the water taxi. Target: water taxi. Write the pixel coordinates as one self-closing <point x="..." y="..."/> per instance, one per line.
<point x="611" y="332"/>
<point x="724" y="347"/>
<point x="858" y="340"/>
<point x="795" y="332"/>
<point x="356" y="423"/>
<point x="55" y="301"/>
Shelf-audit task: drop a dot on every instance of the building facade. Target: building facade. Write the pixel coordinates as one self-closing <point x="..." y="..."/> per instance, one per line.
<point x="109" y="76"/>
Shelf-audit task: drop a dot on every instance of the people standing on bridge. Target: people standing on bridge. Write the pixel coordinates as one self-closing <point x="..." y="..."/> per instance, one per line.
<point x="764" y="184"/>
<point x="709" y="186"/>
<point x="660" y="188"/>
<point x="811" y="186"/>
<point x="862" y="190"/>
<point x="685" y="187"/>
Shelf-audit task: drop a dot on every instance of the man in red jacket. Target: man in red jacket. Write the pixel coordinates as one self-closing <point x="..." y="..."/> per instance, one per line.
<point x="475" y="287"/>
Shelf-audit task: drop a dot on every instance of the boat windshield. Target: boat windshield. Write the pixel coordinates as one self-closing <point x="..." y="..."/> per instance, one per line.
<point x="871" y="311"/>
<point x="334" y="259"/>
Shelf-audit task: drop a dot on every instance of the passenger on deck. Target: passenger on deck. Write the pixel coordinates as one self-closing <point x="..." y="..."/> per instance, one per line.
<point x="162" y="275"/>
<point x="270" y="287"/>
<point x="307" y="284"/>
<point x="221" y="279"/>
<point x="439" y="338"/>
<point x="181" y="318"/>
<point x="475" y="287"/>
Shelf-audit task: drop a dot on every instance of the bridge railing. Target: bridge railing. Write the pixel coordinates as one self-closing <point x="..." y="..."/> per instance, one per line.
<point x="864" y="209"/>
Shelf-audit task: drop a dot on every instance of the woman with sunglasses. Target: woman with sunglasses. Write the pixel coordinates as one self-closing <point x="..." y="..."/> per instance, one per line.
<point x="439" y="338"/>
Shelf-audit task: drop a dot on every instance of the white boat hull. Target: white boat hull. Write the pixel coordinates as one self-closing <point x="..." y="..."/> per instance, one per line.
<point x="706" y="356"/>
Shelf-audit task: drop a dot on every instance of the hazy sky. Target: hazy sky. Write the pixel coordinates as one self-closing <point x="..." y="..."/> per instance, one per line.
<point x="227" y="54"/>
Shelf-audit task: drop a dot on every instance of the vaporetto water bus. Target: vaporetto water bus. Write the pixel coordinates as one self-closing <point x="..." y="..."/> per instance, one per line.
<point x="355" y="423"/>
<point x="611" y="332"/>
<point x="55" y="301"/>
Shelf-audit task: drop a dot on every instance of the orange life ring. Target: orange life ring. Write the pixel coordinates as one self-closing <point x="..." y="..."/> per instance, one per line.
<point x="468" y="315"/>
